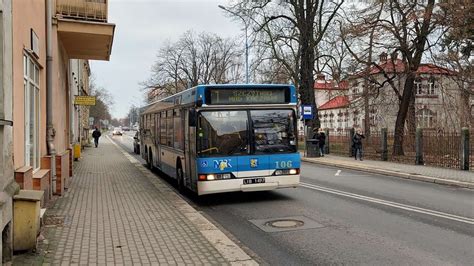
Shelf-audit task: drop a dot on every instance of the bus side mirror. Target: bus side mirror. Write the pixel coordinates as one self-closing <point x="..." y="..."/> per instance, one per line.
<point x="192" y="116"/>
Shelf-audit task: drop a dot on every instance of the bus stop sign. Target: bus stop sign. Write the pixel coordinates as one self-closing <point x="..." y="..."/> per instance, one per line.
<point x="307" y="112"/>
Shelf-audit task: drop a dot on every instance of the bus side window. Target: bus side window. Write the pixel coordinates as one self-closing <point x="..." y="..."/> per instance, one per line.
<point x="163" y="128"/>
<point x="157" y="127"/>
<point x="178" y="136"/>
<point x="169" y="128"/>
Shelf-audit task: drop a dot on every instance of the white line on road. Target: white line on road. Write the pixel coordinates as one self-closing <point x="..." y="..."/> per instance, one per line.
<point x="390" y="203"/>
<point x="338" y="172"/>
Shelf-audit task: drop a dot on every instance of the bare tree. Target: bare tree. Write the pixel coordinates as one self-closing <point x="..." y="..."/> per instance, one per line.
<point x="104" y="101"/>
<point x="407" y="27"/>
<point x="192" y="60"/>
<point x="291" y="30"/>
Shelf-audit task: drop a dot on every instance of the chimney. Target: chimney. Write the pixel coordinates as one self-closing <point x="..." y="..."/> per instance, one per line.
<point x="320" y="77"/>
<point x="394" y="56"/>
<point x="383" y="57"/>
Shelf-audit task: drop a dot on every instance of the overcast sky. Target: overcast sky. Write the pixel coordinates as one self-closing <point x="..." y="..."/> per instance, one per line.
<point x="142" y="26"/>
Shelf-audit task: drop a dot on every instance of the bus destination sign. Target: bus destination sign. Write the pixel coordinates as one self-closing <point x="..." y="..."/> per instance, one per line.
<point x="227" y="96"/>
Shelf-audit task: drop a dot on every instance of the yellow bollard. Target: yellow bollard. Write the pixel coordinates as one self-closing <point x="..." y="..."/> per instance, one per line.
<point x="77" y="151"/>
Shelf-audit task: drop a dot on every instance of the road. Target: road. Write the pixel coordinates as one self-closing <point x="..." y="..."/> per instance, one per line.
<point x="349" y="217"/>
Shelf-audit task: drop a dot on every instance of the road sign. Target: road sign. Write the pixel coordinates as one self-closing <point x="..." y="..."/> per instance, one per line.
<point x="307" y="112"/>
<point x="91" y="121"/>
<point x="84" y="100"/>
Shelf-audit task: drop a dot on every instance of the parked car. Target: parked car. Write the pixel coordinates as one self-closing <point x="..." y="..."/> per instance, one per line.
<point x="125" y="128"/>
<point x="117" y="131"/>
<point x="136" y="143"/>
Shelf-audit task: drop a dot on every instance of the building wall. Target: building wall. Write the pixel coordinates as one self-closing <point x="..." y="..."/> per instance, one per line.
<point x="446" y="104"/>
<point x="8" y="187"/>
<point x="27" y="15"/>
<point x="60" y="94"/>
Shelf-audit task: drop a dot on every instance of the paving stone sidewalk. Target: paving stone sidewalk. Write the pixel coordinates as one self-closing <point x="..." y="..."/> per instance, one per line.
<point x="422" y="172"/>
<point x="117" y="212"/>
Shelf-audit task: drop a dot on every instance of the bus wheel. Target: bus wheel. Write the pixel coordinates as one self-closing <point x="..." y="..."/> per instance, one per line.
<point x="180" y="179"/>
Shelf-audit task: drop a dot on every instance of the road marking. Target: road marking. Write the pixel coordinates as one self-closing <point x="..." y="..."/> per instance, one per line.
<point x="338" y="172"/>
<point x="448" y="216"/>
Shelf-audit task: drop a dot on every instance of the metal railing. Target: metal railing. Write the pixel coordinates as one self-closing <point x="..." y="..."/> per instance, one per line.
<point x="442" y="149"/>
<point x="471" y="155"/>
<point x="90" y="10"/>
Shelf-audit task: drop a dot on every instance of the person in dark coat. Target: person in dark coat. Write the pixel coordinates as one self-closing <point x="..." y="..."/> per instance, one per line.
<point x="96" y="135"/>
<point x="357" y="143"/>
<point x="321" y="141"/>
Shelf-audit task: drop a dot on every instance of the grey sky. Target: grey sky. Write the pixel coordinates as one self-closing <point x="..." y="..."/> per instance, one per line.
<point x="142" y="26"/>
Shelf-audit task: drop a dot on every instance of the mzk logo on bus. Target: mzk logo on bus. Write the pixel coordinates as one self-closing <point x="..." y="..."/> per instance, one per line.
<point x="222" y="164"/>
<point x="253" y="163"/>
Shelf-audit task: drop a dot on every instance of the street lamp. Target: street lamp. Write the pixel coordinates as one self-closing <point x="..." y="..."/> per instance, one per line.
<point x="246" y="41"/>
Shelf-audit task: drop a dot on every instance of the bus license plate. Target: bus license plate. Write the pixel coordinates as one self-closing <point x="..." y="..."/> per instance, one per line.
<point x="254" y="181"/>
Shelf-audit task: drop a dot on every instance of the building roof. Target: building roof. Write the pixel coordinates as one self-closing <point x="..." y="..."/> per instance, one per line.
<point x="398" y="66"/>
<point x="336" y="102"/>
<point x="330" y="85"/>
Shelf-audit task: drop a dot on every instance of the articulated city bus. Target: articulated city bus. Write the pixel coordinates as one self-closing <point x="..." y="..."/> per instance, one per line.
<point x="222" y="138"/>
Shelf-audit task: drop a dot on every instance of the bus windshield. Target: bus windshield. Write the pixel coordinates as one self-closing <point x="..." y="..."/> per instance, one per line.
<point x="273" y="131"/>
<point x="225" y="133"/>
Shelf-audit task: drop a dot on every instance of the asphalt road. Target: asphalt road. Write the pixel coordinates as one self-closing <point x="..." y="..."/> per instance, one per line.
<point x="350" y="218"/>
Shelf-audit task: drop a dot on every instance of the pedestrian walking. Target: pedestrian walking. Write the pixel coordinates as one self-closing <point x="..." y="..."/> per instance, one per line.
<point x="96" y="135"/>
<point x="357" y="143"/>
<point x="321" y="141"/>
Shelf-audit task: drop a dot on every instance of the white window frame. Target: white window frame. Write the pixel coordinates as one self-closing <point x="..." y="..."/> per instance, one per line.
<point x="32" y="104"/>
<point x="425" y="118"/>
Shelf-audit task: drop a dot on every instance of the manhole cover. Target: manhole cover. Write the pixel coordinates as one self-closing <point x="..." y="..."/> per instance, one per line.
<point x="285" y="223"/>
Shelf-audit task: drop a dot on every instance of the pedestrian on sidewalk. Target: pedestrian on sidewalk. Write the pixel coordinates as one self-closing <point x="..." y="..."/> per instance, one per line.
<point x="96" y="135"/>
<point x="321" y="141"/>
<point x="357" y="143"/>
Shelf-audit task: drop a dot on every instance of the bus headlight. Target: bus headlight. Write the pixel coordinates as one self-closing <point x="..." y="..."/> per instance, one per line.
<point x="210" y="177"/>
<point x="294" y="171"/>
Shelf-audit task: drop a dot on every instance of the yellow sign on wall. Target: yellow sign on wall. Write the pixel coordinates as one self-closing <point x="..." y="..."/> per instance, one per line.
<point x="84" y="100"/>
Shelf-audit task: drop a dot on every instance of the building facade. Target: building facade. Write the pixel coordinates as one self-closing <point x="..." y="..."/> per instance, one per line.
<point x="46" y="46"/>
<point x="8" y="186"/>
<point x="441" y="101"/>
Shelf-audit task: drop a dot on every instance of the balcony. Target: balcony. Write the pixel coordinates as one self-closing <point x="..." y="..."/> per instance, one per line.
<point x="83" y="28"/>
<point x="92" y="10"/>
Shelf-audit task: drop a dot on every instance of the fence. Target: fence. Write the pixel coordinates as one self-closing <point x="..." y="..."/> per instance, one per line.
<point x="443" y="149"/>
<point x="471" y="150"/>
<point x="339" y="143"/>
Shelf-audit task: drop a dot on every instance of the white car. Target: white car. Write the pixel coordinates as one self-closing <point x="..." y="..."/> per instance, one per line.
<point x="117" y="131"/>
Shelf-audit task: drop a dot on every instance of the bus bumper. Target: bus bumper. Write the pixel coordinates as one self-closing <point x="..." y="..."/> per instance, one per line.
<point x="232" y="185"/>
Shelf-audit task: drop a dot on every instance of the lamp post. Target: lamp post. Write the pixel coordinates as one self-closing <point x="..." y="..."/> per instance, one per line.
<point x="246" y="41"/>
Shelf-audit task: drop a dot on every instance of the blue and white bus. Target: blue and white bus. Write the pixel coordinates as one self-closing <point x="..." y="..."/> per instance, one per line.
<point x="222" y="138"/>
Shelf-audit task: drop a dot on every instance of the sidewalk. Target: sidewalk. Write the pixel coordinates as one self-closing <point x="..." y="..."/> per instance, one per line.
<point x="117" y="212"/>
<point x="419" y="172"/>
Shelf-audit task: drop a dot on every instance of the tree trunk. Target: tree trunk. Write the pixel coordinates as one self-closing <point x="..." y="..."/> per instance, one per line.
<point x="402" y="113"/>
<point x="306" y="79"/>
<point x="411" y="118"/>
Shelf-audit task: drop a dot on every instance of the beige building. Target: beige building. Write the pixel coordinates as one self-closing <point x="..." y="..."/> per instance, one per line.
<point x="440" y="101"/>
<point x="46" y="47"/>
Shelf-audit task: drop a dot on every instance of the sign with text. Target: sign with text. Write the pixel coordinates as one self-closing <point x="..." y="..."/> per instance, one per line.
<point x="84" y="100"/>
<point x="248" y="96"/>
<point x="307" y="112"/>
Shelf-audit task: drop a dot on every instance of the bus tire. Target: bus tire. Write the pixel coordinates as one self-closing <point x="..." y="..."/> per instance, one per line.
<point x="180" y="178"/>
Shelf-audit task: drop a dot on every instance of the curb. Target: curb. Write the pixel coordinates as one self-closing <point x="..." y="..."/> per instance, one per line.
<point x="224" y="245"/>
<point x="417" y="177"/>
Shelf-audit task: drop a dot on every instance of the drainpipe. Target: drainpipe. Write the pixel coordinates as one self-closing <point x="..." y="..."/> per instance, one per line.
<point x="49" y="92"/>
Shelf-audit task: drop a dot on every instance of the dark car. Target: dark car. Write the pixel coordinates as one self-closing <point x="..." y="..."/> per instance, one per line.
<point x="136" y="143"/>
